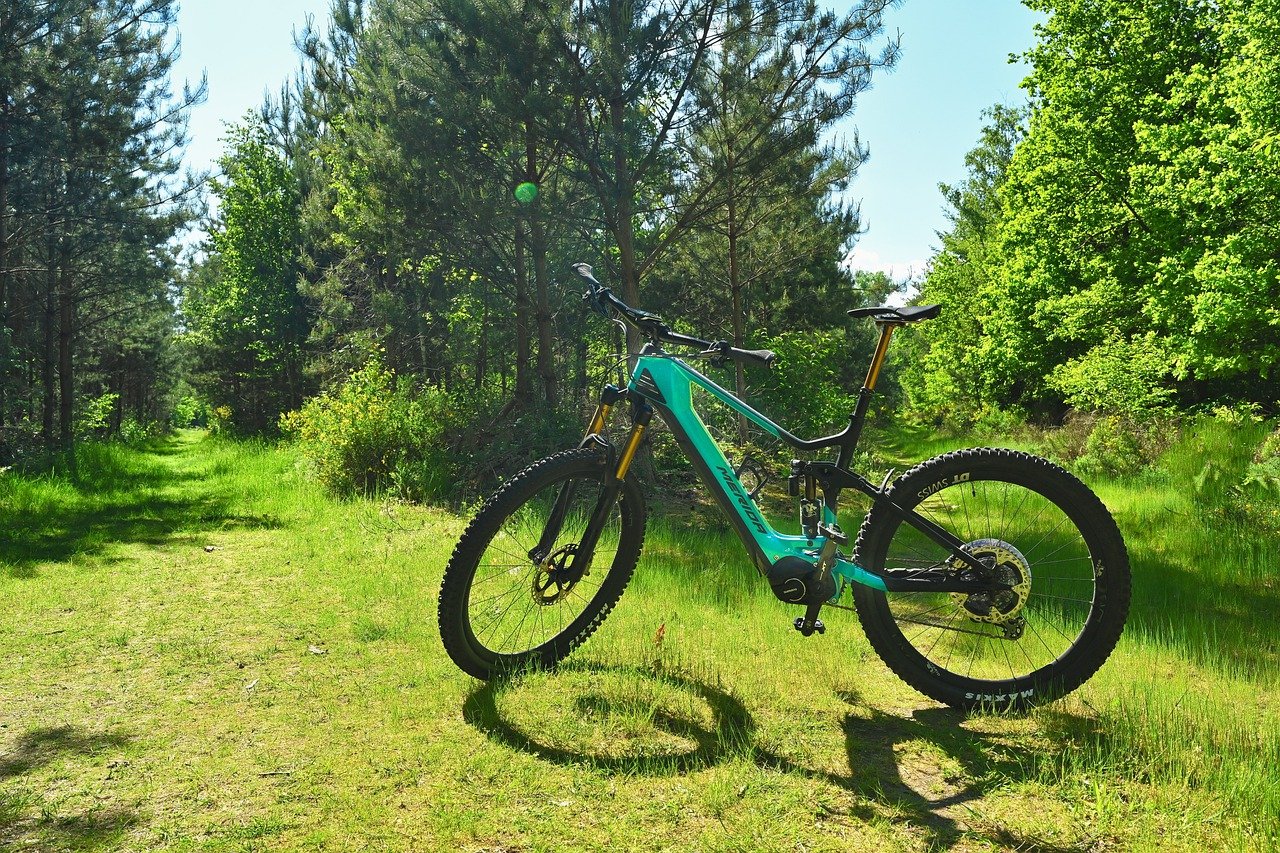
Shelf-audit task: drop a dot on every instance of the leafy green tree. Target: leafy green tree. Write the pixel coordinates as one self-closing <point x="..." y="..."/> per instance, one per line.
<point x="946" y="359"/>
<point x="646" y="78"/>
<point x="88" y="191"/>
<point x="248" y="321"/>
<point x="771" y="90"/>
<point x="1210" y="179"/>
<point x="1122" y="258"/>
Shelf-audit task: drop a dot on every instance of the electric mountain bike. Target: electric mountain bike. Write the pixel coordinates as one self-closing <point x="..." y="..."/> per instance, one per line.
<point x="982" y="577"/>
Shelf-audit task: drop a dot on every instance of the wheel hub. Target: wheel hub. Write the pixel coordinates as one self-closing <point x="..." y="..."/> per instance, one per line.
<point x="555" y="578"/>
<point x="1002" y="563"/>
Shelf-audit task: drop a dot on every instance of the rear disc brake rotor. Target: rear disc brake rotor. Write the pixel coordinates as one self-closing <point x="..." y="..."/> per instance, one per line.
<point x="1004" y="564"/>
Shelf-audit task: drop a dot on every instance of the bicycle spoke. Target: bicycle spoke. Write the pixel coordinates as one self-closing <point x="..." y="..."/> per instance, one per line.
<point x="953" y="639"/>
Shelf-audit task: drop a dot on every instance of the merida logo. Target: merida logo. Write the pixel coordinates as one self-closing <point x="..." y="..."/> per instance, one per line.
<point x="747" y="509"/>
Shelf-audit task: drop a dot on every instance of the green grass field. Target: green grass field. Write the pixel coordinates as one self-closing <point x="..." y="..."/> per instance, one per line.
<point x="199" y="650"/>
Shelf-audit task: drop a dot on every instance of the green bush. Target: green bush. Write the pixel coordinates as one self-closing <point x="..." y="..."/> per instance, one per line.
<point x="132" y="430"/>
<point x="375" y="433"/>
<point x="1106" y="445"/>
<point x="1230" y="462"/>
<point x="1120" y="377"/>
<point x="995" y="425"/>
<point x="1114" y="447"/>
<point x="190" y="411"/>
<point x="802" y="391"/>
<point x="93" y="420"/>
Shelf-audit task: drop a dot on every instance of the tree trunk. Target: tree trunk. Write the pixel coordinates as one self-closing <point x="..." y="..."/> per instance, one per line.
<point x="623" y="227"/>
<point x="542" y="283"/>
<point x="420" y="327"/>
<point x="482" y="345"/>
<point x="4" y="252"/>
<point x="66" y="332"/>
<point x="49" y="354"/>
<point x="524" y="382"/>
<point x="735" y="290"/>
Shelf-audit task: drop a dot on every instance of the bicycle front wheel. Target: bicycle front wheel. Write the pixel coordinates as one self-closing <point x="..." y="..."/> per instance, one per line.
<point x="1032" y="525"/>
<point x="503" y="605"/>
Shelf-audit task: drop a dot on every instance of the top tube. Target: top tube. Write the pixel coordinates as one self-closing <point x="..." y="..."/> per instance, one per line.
<point x="648" y="387"/>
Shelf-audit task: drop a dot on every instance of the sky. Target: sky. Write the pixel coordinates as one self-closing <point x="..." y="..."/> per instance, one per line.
<point x="919" y="119"/>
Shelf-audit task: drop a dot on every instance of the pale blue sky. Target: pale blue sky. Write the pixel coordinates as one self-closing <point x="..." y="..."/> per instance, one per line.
<point x="919" y="120"/>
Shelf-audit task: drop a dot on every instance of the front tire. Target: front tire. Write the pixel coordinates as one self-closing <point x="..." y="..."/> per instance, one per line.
<point x="500" y="612"/>
<point x="1038" y="528"/>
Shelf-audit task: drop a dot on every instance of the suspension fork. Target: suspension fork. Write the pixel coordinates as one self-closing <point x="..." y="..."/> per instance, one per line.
<point x="610" y="396"/>
<point x="641" y="414"/>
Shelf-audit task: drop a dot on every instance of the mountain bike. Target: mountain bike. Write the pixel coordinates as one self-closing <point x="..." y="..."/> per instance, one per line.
<point x="983" y="577"/>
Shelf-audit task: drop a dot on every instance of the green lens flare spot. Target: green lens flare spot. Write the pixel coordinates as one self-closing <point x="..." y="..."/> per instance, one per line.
<point x="526" y="192"/>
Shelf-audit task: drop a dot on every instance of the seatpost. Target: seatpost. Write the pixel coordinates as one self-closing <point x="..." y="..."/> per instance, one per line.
<point x="859" y="416"/>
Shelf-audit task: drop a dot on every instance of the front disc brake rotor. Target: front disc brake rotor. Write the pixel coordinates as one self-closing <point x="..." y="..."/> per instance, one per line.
<point x="1004" y="564"/>
<point x="552" y="581"/>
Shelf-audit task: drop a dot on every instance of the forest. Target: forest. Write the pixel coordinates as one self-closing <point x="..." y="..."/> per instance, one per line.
<point x="399" y="221"/>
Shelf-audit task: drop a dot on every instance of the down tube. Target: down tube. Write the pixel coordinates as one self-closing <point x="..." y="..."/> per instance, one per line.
<point x="714" y="471"/>
<point x="669" y="390"/>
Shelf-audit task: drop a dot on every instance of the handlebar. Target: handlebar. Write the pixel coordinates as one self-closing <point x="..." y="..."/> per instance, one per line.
<point x="601" y="298"/>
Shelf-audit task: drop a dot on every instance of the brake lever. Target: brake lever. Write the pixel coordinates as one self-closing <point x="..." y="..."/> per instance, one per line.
<point x="715" y="354"/>
<point x="592" y="299"/>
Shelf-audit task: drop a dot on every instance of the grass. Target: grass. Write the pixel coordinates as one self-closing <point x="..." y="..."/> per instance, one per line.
<point x="203" y="652"/>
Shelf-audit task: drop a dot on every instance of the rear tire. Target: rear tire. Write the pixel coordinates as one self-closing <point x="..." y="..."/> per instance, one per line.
<point x="498" y="611"/>
<point x="1038" y="526"/>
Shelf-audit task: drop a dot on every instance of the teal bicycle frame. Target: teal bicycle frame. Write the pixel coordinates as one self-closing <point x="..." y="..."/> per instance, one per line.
<point x="666" y="383"/>
<point x="807" y="569"/>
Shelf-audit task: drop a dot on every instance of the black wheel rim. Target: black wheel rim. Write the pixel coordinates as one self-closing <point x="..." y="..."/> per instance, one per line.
<point x="996" y="647"/>
<point x="514" y="605"/>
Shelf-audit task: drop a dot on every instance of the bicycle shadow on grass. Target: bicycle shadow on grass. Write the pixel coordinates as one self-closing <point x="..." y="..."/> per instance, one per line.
<point x="29" y="820"/>
<point x="897" y="766"/>
<point x="927" y="769"/>
<point x="684" y="740"/>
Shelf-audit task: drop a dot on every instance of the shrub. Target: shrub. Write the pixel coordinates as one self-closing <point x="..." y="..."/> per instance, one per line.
<point x="990" y="423"/>
<point x="190" y="411"/>
<point x="1112" y="448"/>
<point x="803" y="389"/>
<point x="94" y="418"/>
<point x="1107" y="445"/>
<point x="221" y="420"/>
<point x="1120" y="377"/>
<point x="375" y="433"/>
<point x="133" y="430"/>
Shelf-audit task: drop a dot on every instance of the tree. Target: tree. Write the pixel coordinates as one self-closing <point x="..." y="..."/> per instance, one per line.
<point x="945" y="373"/>
<point x="772" y="89"/>
<point x="248" y="320"/>
<point x="635" y="71"/>
<point x="1122" y="259"/>
<point x="88" y="198"/>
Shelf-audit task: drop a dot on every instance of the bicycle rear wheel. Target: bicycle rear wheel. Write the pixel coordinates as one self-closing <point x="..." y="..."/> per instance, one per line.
<point x="1032" y="525"/>
<point x="500" y="609"/>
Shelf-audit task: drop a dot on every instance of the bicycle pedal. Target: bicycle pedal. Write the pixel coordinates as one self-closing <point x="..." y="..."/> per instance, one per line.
<point x="816" y="628"/>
